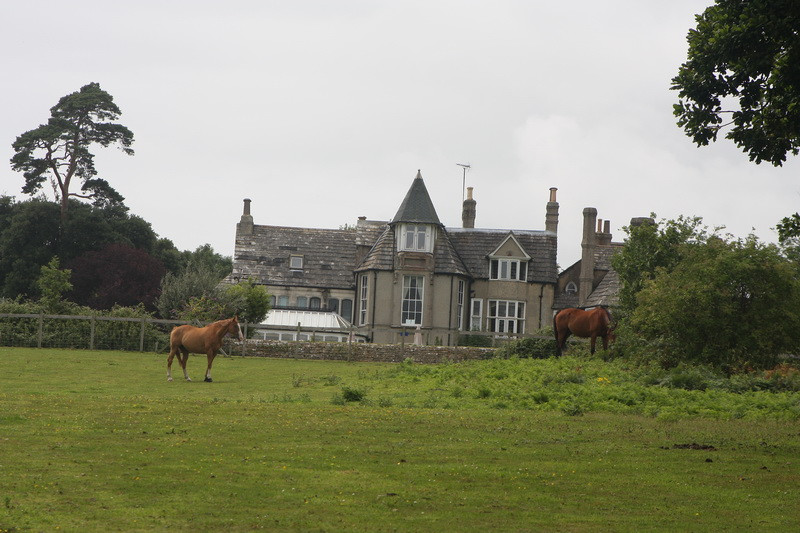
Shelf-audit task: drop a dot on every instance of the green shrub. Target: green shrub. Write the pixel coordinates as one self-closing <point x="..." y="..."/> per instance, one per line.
<point x="479" y="341"/>
<point x="528" y="348"/>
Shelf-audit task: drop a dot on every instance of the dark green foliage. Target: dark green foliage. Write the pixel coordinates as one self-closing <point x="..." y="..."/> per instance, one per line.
<point x="59" y="150"/>
<point x="479" y="341"/>
<point x="743" y="71"/>
<point x="30" y="238"/>
<point x="528" y="348"/>
<point x="649" y="246"/>
<point x="730" y="304"/>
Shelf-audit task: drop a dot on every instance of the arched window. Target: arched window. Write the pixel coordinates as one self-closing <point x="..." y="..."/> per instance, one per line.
<point x="571" y="288"/>
<point x="302" y="302"/>
<point x="315" y="303"/>
<point x="333" y="305"/>
<point x="347" y="310"/>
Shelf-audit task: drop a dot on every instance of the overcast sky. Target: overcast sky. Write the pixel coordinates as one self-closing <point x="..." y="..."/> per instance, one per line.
<point x="322" y="111"/>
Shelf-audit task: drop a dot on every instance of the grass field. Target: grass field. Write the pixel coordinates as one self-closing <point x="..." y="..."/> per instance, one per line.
<point x="100" y="441"/>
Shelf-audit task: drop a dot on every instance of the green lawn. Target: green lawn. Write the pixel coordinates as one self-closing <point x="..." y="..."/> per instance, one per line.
<point x="100" y="441"/>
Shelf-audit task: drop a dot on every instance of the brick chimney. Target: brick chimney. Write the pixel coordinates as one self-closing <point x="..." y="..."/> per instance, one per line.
<point x="551" y="219"/>
<point x="468" y="211"/>
<point x="588" y="245"/>
<point x="245" y="226"/>
<point x="603" y="232"/>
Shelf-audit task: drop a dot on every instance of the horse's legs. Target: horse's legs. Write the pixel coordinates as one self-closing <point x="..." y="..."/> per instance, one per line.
<point x="211" y="356"/>
<point x="182" y="361"/>
<point x="169" y="363"/>
<point x="605" y="342"/>
<point x="561" y="339"/>
<point x="594" y="339"/>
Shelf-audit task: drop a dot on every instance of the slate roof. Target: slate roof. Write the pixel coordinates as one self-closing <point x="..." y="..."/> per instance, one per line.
<point x="328" y="256"/>
<point x="382" y="254"/>
<point x="417" y="205"/>
<point x="474" y="245"/>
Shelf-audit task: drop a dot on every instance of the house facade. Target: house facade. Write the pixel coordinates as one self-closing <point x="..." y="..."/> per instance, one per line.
<point x="411" y="275"/>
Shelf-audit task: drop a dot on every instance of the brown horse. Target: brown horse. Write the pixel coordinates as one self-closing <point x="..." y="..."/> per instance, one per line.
<point x="592" y="324"/>
<point x="208" y="340"/>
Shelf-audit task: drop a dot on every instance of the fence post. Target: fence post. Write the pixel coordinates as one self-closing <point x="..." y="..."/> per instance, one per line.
<point x="244" y="342"/>
<point x="91" y="333"/>
<point x="141" y="335"/>
<point x="40" y="333"/>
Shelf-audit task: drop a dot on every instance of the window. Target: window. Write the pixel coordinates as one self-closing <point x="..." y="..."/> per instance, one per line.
<point x="333" y="305"/>
<point x="283" y="301"/>
<point x="412" y="300"/>
<point x="296" y="262"/>
<point x="302" y="302"/>
<point x="510" y="269"/>
<point x="347" y="310"/>
<point x="571" y="288"/>
<point x="506" y="316"/>
<point x="476" y="315"/>
<point x="460" y="305"/>
<point x="363" y="303"/>
<point x="416" y="238"/>
<point x="315" y="303"/>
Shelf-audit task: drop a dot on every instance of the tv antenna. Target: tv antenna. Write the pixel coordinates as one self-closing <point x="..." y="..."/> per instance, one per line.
<point x="464" y="179"/>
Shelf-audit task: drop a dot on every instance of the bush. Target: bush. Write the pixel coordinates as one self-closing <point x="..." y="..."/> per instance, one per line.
<point x="477" y="341"/>
<point x="528" y="349"/>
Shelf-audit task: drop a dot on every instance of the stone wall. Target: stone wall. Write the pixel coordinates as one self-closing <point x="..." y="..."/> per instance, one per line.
<point x="342" y="351"/>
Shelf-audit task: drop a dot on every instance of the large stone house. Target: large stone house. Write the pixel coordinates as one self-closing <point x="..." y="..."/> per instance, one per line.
<point x="412" y="275"/>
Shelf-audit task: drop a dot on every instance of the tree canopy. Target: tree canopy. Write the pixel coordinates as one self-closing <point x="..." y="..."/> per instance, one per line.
<point x="743" y="72"/>
<point x="60" y="149"/>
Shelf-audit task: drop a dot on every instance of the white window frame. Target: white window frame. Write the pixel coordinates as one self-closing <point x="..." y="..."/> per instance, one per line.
<point x="415" y="238"/>
<point x="508" y="269"/>
<point x="476" y="315"/>
<point x="505" y="316"/>
<point x="413" y="299"/>
<point x="571" y="288"/>
<point x="362" y="311"/>
<point x="295" y="262"/>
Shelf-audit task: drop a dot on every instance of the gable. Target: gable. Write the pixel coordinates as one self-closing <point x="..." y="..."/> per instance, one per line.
<point x="510" y="247"/>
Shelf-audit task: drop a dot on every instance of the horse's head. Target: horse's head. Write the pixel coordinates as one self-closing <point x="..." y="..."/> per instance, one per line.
<point x="234" y="329"/>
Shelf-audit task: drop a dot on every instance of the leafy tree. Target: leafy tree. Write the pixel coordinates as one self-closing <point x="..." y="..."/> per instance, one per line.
<point x="59" y="150"/>
<point x="29" y="238"/>
<point x="196" y="281"/>
<point x="744" y="54"/>
<point x="117" y="275"/>
<point x="204" y="257"/>
<point x="251" y="301"/>
<point x="28" y="241"/>
<point x="649" y="246"/>
<point x="53" y="283"/>
<point x="731" y="304"/>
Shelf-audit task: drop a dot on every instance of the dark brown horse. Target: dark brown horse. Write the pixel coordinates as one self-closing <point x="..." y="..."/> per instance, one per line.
<point x="184" y="340"/>
<point x="591" y="324"/>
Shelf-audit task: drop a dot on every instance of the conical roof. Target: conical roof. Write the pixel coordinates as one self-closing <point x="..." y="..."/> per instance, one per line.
<point x="417" y="206"/>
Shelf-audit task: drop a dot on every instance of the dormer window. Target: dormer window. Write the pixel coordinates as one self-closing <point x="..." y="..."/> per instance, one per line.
<point x="508" y="269"/>
<point x="296" y="262"/>
<point x="416" y="238"/>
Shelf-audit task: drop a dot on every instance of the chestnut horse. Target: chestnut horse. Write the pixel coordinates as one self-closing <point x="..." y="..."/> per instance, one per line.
<point x="208" y="340"/>
<point x="592" y="324"/>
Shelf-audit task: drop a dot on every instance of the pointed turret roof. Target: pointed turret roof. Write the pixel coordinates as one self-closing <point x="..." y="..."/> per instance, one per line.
<point x="417" y="205"/>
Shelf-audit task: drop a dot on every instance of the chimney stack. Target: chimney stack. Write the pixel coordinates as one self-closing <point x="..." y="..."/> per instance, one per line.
<point x="588" y="245"/>
<point x="551" y="219"/>
<point x="245" y="226"/>
<point x="468" y="211"/>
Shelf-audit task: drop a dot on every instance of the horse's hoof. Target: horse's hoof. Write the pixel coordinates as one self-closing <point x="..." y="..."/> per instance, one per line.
<point x="169" y="379"/>
<point x="208" y="379"/>
<point x="188" y="379"/>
